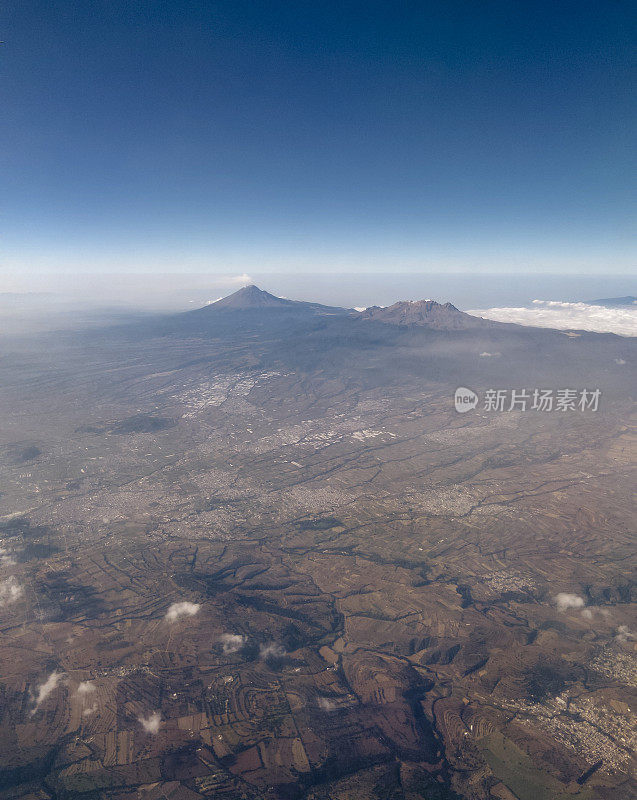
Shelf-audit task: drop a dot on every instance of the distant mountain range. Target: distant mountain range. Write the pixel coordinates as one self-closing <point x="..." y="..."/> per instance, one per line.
<point x="427" y="313"/>
<point x="615" y="302"/>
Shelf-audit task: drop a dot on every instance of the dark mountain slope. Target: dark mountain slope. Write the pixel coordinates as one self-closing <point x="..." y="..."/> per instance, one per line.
<point x="251" y="298"/>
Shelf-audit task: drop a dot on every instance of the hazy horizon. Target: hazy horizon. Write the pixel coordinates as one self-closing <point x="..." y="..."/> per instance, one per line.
<point x="180" y="291"/>
<point x="80" y="301"/>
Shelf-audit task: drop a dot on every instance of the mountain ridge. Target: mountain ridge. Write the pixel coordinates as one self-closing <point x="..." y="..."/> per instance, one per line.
<point x="430" y="313"/>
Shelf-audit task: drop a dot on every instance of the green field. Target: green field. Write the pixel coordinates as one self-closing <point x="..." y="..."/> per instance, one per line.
<point x="514" y="768"/>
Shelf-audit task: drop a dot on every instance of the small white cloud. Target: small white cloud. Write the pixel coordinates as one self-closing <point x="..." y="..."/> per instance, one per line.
<point x="564" y="601"/>
<point x="242" y="280"/>
<point x="624" y="634"/>
<point x="85" y="687"/>
<point x="490" y="355"/>
<point x="232" y="642"/>
<point x="151" y="723"/>
<point x="10" y="591"/>
<point x="90" y="710"/>
<point x="620" y="361"/>
<point x="178" y="611"/>
<point x="6" y="559"/>
<point x="567" y="316"/>
<point x="590" y="611"/>
<point x="271" y="650"/>
<point x="327" y="705"/>
<point x="44" y="689"/>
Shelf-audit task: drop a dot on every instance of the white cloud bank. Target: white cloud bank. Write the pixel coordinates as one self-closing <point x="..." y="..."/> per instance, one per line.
<point x="567" y="316"/>
<point x="564" y="601"/>
<point x="178" y="611"/>
<point x="151" y="723"/>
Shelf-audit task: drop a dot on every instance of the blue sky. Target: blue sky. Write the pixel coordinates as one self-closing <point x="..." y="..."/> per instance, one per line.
<point x="230" y="136"/>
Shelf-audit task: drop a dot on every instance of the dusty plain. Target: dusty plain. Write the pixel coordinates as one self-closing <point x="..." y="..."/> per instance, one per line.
<point x="390" y="600"/>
